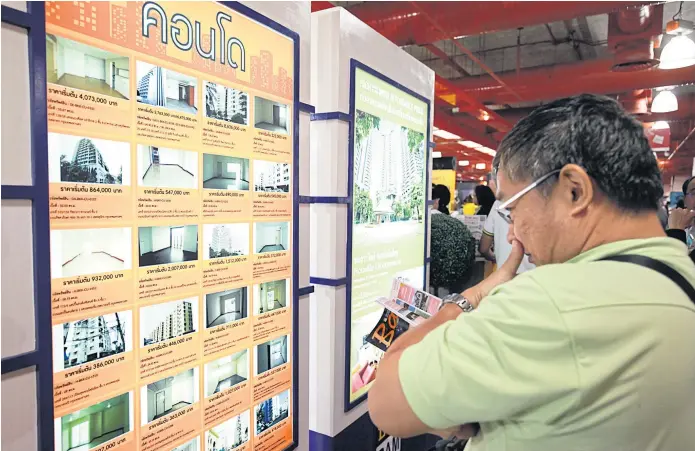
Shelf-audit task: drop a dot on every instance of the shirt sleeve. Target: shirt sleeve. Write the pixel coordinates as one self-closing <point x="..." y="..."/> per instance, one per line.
<point x="489" y="226"/>
<point x="509" y="355"/>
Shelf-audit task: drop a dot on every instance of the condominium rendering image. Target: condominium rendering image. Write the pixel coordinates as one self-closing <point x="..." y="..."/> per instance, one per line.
<point x="88" y="157"/>
<point x="226" y="104"/>
<point x="273" y="177"/>
<point x="178" y="322"/>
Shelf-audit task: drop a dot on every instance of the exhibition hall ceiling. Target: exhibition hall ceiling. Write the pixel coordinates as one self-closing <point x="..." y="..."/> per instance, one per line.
<point x="496" y="61"/>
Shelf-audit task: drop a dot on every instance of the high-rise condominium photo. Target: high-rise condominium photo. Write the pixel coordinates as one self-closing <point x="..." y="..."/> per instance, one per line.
<point x="86" y="340"/>
<point x="226" y="306"/>
<point x="97" y="424"/>
<point x="162" y="322"/>
<point x="161" y="245"/>
<point x="272" y="411"/>
<point x="167" y="168"/>
<point x="225" y="240"/>
<point x="230" y="434"/>
<point x="80" y="66"/>
<point x="272" y="354"/>
<point x="271" y="177"/>
<point x="78" y="252"/>
<point x="166" y="88"/>
<point x="223" y="172"/>
<point x="226" y="372"/>
<point x="271" y="116"/>
<point x="269" y="296"/>
<point x="271" y="237"/>
<point x="226" y="104"/>
<point x="168" y="395"/>
<point x="78" y="159"/>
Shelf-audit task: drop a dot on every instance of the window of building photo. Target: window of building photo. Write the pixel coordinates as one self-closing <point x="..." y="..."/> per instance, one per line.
<point x="223" y="172"/>
<point x="271" y="177"/>
<point x="162" y="322"/>
<point x="225" y="240"/>
<point x="76" y="159"/>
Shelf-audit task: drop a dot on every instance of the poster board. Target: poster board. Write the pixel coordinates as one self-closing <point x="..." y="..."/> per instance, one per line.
<point x="173" y="188"/>
<point x="387" y="216"/>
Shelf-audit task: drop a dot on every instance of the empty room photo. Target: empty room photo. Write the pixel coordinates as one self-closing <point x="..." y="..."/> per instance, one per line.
<point x="272" y="411"/>
<point x="80" y="252"/>
<point x="271" y="237"/>
<point x="269" y="296"/>
<point x="226" y="306"/>
<point x="167" y="168"/>
<point x="226" y="372"/>
<point x="168" y="395"/>
<point x="226" y="104"/>
<point x="75" y="65"/>
<point x="86" y="340"/>
<point x="161" y="245"/>
<point x="158" y="86"/>
<point x="270" y="115"/>
<point x="271" y="354"/>
<point x="221" y="172"/>
<point x="162" y="322"/>
<point x="229" y="435"/>
<point x="95" y="425"/>
<point x="76" y="159"/>
<point x="271" y="177"/>
<point x="191" y="445"/>
<point x="225" y="240"/>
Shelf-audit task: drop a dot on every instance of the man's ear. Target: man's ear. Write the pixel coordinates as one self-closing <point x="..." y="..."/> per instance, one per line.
<point x="575" y="188"/>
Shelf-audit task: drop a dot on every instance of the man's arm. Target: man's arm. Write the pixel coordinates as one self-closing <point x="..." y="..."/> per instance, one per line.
<point x="485" y="247"/>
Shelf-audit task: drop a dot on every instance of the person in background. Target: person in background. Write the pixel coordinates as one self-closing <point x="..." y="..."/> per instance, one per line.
<point x="593" y="350"/>
<point x="440" y="199"/>
<point x="486" y="198"/>
<point x="469" y="205"/>
<point x="494" y="245"/>
<point x="681" y="222"/>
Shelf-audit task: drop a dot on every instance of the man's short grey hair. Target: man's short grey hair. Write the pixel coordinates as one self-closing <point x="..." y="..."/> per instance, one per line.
<point x="593" y="132"/>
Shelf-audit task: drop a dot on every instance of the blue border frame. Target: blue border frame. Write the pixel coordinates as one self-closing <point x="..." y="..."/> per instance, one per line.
<point x="34" y="21"/>
<point x="354" y="65"/>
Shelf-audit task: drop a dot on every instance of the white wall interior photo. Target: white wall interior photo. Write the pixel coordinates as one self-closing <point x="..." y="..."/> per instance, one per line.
<point x="79" y="252"/>
<point x="224" y="172"/>
<point x="162" y="322"/>
<point x="230" y="434"/>
<point x="225" y="240"/>
<point x="86" y="340"/>
<point x="168" y="395"/>
<point x="226" y="104"/>
<point x="226" y="372"/>
<point x="80" y="66"/>
<point x="271" y="176"/>
<point x="166" y="88"/>
<point x="226" y="306"/>
<point x="271" y="237"/>
<point x="191" y="445"/>
<point x="272" y="354"/>
<point x="271" y="116"/>
<point x="269" y="296"/>
<point x="161" y="245"/>
<point x="167" y="168"/>
<point x="78" y="159"/>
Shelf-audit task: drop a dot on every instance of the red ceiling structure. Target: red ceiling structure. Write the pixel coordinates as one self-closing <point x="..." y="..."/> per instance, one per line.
<point x="601" y="47"/>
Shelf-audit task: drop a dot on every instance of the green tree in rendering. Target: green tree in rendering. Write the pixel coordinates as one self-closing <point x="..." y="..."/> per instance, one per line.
<point x="238" y="118"/>
<point x="363" y="207"/>
<point x="416" y="199"/>
<point x="364" y="124"/>
<point x="415" y="140"/>
<point x="119" y="179"/>
<point x="397" y="208"/>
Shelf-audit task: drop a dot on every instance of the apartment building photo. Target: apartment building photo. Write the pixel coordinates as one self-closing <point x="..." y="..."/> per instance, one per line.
<point x="272" y="411"/>
<point x="78" y="252"/>
<point x="191" y="445"/>
<point x="86" y="340"/>
<point x="271" y="237"/>
<point x="162" y="322"/>
<point x="230" y="434"/>
<point x="168" y="395"/>
<point x="223" y="172"/>
<point x="78" y="159"/>
<point x="161" y="245"/>
<point x="271" y="177"/>
<point x="166" y="88"/>
<point x="226" y="372"/>
<point x="96" y="425"/>
<point x="225" y="240"/>
<point x="226" y="104"/>
<point x="269" y="296"/>
<point x="167" y="168"/>
<point x="226" y="306"/>
<point x="80" y="66"/>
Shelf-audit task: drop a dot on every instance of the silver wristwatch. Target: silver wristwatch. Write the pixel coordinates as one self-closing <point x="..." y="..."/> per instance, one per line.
<point x="463" y="303"/>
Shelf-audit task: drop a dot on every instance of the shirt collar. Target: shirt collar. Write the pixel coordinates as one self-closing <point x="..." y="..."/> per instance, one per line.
<point x="659" y="247"/>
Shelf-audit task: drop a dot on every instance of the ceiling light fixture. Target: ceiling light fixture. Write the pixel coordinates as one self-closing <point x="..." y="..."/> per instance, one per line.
<point x="480" y="166"/>
<point x="445" y="134"/>
<point x="436" y="155"/>
<point x="471" y="144"/>
<point x="665" y="102"/>
<point x="680" y="50"/>
<point x="464" y="163"/>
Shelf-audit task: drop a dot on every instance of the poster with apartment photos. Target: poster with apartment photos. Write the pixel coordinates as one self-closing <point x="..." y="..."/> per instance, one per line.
<point x="171" y="159"/>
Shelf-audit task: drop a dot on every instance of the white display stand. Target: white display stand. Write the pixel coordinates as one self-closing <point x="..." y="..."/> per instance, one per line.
<point x="338" y="37"/>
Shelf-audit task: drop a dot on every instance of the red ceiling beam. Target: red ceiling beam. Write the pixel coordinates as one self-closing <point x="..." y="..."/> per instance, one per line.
<point x="401" y="22"/>
<point x="320" y="6"/>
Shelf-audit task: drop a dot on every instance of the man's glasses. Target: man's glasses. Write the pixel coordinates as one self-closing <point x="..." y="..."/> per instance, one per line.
<point x="502" y="209"/>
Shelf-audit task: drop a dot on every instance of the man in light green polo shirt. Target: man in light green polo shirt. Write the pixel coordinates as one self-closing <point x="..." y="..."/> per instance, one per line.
<point x="581" y="353"/>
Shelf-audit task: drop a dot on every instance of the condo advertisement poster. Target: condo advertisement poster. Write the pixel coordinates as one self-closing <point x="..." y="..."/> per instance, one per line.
<point x="388" y="223"/>
<point x="170" y="144"/>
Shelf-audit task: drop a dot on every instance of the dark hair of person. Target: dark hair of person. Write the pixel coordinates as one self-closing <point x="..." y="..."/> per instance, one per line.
<point x="442" y="193"/>
<point x="686" y="184"/>
<point x="593" y="132"/>
<point x="485" y="199"/>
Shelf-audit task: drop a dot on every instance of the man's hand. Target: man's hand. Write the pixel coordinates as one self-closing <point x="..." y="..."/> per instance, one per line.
<point x="504" y="274"/>
<point x="681" y="219"/>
